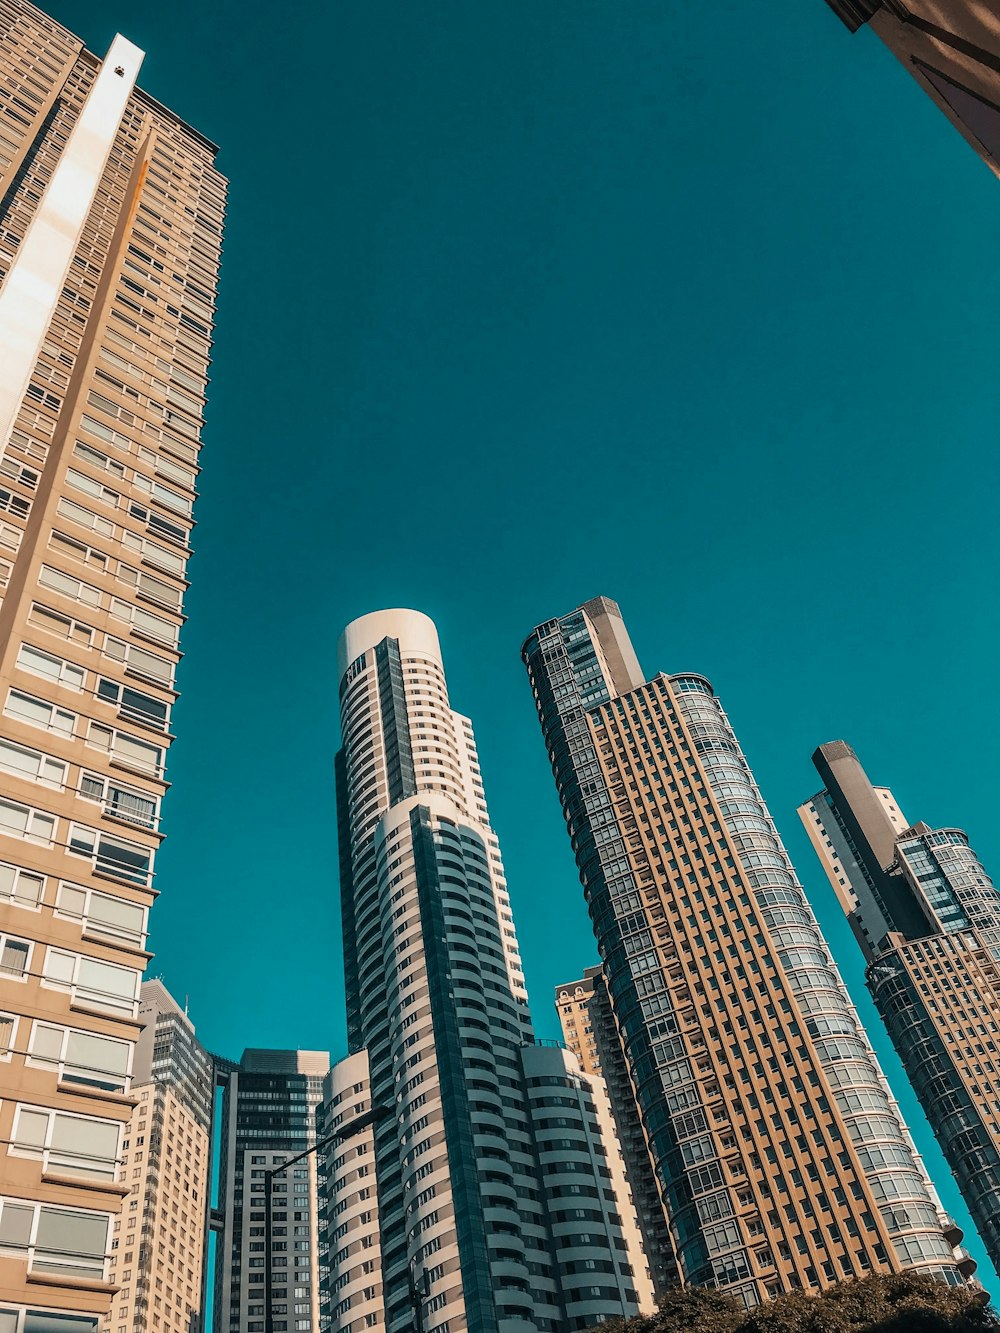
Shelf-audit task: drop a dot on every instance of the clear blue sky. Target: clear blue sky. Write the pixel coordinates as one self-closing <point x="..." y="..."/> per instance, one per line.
<point x="693" y="305"/>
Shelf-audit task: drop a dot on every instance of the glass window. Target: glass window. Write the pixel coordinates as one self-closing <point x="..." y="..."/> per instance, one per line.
<point x="19" y="886"/>
<point x="76" y="1145"/>
<point x="14" y="955"/>
<point x="68" y="586"/>
<point x="123" y="802"/>
<point x="81" y="1057"/>
<point x="70" y="1241"/>
<point x="103" y="985"/>
<point x="31" y="765"/>
<point x="133" y="703"/>
<point x="39" y="713"/>
<point x="20" y="821"/>
<point x="52" y="668"/>
<point x="102" y="914"/>
<point x="112" y="856"/>
<point x="16" y="1220"/>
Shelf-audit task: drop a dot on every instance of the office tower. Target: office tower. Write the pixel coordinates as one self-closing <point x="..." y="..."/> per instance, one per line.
<point x="927" y="918"/>
<point x="158" y="1245"/>
<point x="485" y="1200"/>
<point x="269" y="1105"/>
<point x="952" y="49"/>
<point x="590" y="1032"/>
<point x="110" y="227"/>
<point x="780" y="1157"/>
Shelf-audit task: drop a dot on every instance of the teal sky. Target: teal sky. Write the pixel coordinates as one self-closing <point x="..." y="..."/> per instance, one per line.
<point x="693" y="305"/>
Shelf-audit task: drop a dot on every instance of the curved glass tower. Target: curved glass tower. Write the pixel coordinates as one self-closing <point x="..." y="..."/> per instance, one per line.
<point x="486" y="1201"/>
<point x="777" y="1151"/>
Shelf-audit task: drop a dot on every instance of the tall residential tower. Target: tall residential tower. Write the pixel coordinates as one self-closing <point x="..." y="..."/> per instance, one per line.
<point x="158" y="1249"/>
<point x="779" y="1155"/>
<point x="488" y="1201"/>
<point x="111" y="217"/>
<point x="927" y="918"/>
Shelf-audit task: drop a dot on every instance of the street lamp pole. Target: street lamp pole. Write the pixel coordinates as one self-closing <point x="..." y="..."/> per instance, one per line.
<point x="418" y="1294"/>
<point x="347" y="1131"/>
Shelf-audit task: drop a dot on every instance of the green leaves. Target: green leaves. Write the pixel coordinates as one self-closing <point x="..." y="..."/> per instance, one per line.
<point x="890" y="1303"/>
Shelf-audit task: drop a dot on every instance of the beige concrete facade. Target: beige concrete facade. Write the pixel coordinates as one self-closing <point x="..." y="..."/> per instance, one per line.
<point x="779" y="1154"/>
<point x="158" y="1244"/>
<point x="575" y="1004"/>
<point x="952" y="49"/>
<point x="109" y="248"/>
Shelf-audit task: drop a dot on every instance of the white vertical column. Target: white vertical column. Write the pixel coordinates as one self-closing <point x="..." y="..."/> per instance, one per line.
<point x="36" y="278"/>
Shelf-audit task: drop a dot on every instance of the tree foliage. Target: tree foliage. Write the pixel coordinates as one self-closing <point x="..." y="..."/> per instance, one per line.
<point x="890" y="1303"/>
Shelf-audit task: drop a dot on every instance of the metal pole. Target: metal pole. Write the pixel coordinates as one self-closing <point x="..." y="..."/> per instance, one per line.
<point x="268" y="1229"/>
<point x="417" y="1299"/>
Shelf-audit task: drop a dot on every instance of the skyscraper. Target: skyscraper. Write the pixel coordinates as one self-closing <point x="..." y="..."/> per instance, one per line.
<point x="158" y="1246"/>
<point x="110" y="229"/>
<point x="486" y="1201"/>
<point x="590" y="1032"/>
<point x="269" y="1112"/>
<point x="780" y="1157"/>
<point x="952" y="49"/>
<point x="927" y="918"/>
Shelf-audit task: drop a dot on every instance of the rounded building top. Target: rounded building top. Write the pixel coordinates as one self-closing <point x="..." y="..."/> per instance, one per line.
<point x="692" y="680"/>
<point x="415" y="632"/>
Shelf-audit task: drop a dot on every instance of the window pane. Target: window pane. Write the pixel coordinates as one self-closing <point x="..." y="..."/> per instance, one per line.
<point x="32" y="1127"/>
<point x="29" y="710"/>
<point x="15" y="1224"/>
<point x="19" y="761"/>
<point x="70" y="1240"/>
<point x="113" y="987"/>
<point x="148" y="664"/>
<point x="29" y="888"/>
<point x="87" y="1146"/>
<point x="13" y="818"/>
<point x="38" y="1321"/>
<point x="71" y="900"/>
<point x="136" y="753"/>
<point x="14" y="958"/>
<point x="46" y="1042"/>
<point x="59" y="966"/>
<point x="97" y="1060"/>
<point x="131" y="805"/>
<point x="114" y="916"/>
<point x="123" y="859"/>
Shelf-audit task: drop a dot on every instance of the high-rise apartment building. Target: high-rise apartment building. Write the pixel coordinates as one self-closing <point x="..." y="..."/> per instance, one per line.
<point x="927" y="918"/>
<point x="780" y="1157"/>
<point x="487" y="1200"/>
<point x="589" y="1030"/>
<point x="159" y="1242"/>
<point x="579" y="1006"/>
<point x="110" y="228"/>
<point x="952" y="49"/>
<point x="269" y="1114"/>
